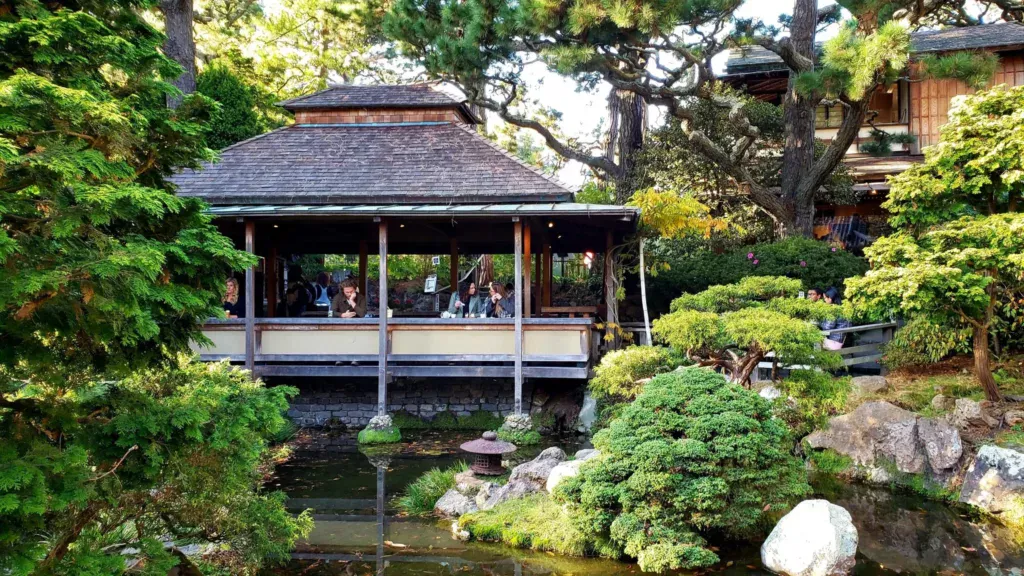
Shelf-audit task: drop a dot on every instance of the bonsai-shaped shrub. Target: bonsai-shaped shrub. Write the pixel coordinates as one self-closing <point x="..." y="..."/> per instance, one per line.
<point x="620" y="372"/>
<point x="518" y="429"/>
<point x="693" y="455"/>
<point x="380" y="430"/>
<point x="810" y="398"/>
<point x="733" y="327"/>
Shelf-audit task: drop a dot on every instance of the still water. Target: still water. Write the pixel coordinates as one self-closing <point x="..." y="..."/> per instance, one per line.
<point x="358" y="532"/>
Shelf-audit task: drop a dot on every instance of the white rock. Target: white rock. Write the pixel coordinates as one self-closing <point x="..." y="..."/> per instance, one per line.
<point x="459" y="533"/>
<point x="995" y="479"/>
<point x="561" y="472"/>
<point x="588" y="413"/>
<point x="770" y="393"/>
<point x="817" y="538"/>
<point x="586" y="454"/>
<point x="869" y="384"/>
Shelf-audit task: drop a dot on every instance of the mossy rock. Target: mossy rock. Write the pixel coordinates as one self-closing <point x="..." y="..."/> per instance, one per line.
<point x="384" y="436"/>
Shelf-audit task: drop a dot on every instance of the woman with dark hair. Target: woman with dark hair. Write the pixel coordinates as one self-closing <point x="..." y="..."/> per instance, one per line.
<point x="464" y="303"/>
<point x="834" y="341"/>
<point x="499" y="305"/>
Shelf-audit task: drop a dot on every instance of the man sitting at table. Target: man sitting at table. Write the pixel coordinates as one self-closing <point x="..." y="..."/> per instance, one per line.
<point x="349" y="303"/>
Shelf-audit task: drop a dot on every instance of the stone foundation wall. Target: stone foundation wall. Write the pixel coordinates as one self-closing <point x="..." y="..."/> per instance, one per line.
<point x="353" y="402"/>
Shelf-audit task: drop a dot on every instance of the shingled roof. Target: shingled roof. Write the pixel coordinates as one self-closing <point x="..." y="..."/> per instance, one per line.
<point x="997" y="36"/>
<point x="429" y="162"/>
<point x="393" y="96"/>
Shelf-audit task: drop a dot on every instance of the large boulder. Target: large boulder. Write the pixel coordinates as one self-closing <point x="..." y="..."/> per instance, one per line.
<point x="995" y="478"/>
<point x="527" y="478"/>
<point x="817" y="538"/>
<point x="467" y="483"/>
<point x="869" y="384"/>
<point x="879" y="435"/>
<point x="454" y="503"/>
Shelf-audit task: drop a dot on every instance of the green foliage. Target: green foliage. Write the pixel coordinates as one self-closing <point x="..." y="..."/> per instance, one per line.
<point x="236" y="118"/>
<point x="421" y="495"/>
<point x="881" y="142"/>
<point x="976" y="169"/>
<point x="920" y="342"/>
<point x="853" y="62"/>
<point x="617" y="374"/>
<point x="734" y="326"/>
<point x="535" y="522"/>
<point x="818" y="396"/>
<point x="369" y="436"/>
<point x="108" y="485"/>
<point x="691" y="456"/>
<point x="830" y="462"/>
<point x="519" y="437"/>
<point x="108" y="437"/>
<point x="693" y="267"/>
<point x="972" y="68"/>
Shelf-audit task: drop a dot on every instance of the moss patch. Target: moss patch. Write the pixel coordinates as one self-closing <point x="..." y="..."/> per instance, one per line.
<point x="479" y="420"/>
<point x="385" y="436"/>
<point x="520" y="437"/>
<point x="830" y="462"/>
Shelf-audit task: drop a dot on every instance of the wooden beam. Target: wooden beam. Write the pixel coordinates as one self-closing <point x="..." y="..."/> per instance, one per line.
<point x="272" y="281"/>
<point x="527" y="288"/>
<point x="363" y="258"/>
<point x="548" y="273"/>
<point x="250" y="298"/>
<point x="518" y="372"/>
<point x="453" y="266"/>
<point x="382" y="338"/>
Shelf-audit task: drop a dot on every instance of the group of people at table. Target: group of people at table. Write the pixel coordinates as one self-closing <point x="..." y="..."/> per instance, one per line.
<point x="344" y="300"/>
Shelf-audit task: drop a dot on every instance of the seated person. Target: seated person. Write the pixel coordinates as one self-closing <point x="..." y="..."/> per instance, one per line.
<point x="464" y="303"/>
<point x="834" y="341"/>
<point x="349" y="303"/>
<point x="234" y="303"/>
<point x="499" y="305"/>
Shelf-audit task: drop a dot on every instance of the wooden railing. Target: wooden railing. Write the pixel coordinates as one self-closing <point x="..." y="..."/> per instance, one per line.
<point x="443" y="347"/>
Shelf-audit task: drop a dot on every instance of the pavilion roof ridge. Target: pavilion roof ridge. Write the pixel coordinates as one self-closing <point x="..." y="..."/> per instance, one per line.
<point x="553" y="179"/>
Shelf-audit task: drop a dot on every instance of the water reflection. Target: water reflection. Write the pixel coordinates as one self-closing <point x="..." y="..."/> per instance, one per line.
<point x="357" y="530"/>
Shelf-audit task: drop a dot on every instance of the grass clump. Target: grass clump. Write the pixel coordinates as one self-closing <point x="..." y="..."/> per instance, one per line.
<point x="536" y="523"/>
<point x="386" y="436"/>
<point x="830" y="462"/>
<point x="420" y="496"/>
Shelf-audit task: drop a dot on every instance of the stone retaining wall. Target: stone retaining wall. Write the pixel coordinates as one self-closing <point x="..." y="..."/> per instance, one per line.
<point x="353" y="402"/>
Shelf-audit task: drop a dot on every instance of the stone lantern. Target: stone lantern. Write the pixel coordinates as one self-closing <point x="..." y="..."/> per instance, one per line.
<point x="488" y="451"/>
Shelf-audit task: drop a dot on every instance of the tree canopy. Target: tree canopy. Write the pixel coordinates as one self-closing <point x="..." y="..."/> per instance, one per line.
<point x="662" y="54"/>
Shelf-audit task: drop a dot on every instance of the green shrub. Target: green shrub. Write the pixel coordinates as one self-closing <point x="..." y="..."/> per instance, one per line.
<point x="535" y="522"/>
<point x="421" y="495"/>
<point x="385" y="436"/>
<point x="811" y="261"/>
<point x="479" y="420"/>
<point x="519" y="437"/>
<point x="818" y="396"/>
<point x="618" y="372"/>
<point x="692" y="455"/>
<point x="237" y="117"/>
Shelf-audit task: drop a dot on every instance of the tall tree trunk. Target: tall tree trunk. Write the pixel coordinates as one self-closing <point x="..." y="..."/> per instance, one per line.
<point x="983" y="364"/>
<point x="180" y="45"/>
<point x="798" y="119"/>
<point x="486" y="272"/>
<point x="631" y="128"/>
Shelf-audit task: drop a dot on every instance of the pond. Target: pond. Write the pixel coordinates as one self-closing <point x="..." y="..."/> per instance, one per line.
<point x="358" y="532"/>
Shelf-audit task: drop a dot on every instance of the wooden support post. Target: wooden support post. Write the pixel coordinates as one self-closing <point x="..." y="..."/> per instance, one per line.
<point x="611" y="319"/>
<point x="250" y="298"/>
<point x="518" y="227"/>
<point x="527" y="281"/>
<point x="548" y="273"/>
<point x="382" y="336"/>
<point x="272" y="281"/>
<point x="364" y="288"/>
<point x="453" y="265"/>
<point x="538" y="276"/>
